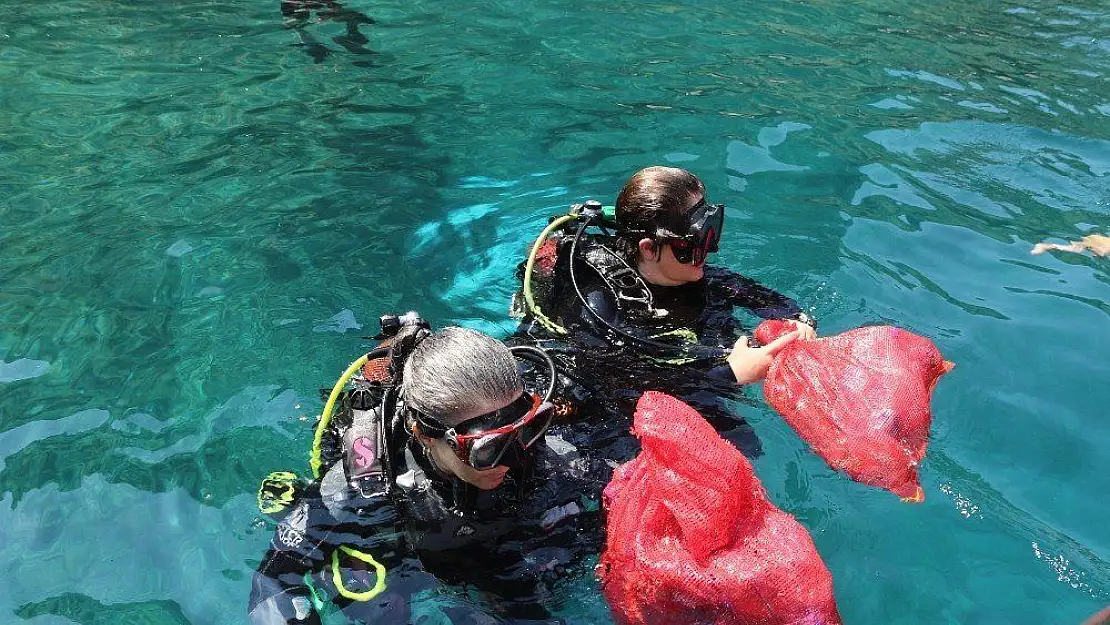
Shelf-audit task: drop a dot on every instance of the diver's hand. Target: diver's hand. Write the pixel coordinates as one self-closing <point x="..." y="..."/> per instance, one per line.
<point x="750" y="364"/>
<point x="805" y="331"/>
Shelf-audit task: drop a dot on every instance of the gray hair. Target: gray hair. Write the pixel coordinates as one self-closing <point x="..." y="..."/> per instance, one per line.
<point x="457" y="374"/>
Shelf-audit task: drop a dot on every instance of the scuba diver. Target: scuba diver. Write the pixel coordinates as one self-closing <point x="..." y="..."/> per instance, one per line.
<point x="640" y="300"/>
<point x="436" y="463"/>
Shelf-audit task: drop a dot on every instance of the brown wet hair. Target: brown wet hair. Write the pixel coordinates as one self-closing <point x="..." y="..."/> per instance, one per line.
<point x="654" y="199"/>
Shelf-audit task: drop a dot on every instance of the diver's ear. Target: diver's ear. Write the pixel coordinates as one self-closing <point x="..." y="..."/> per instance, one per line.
<point x="648" y="249"/>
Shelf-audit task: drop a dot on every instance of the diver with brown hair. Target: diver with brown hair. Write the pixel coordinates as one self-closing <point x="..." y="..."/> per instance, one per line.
<point x="640" y="297"/>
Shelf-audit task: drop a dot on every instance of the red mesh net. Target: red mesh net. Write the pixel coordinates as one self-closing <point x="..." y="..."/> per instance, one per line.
<point x="860" y="399"/>
<point x="547" y="256"/>
<point x="377" y="370"/>
<point x="692" y="538"/>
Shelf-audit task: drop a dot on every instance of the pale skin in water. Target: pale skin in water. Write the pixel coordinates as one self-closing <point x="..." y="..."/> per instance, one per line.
<point x="1101" y="618"/>
<point x="1099" y="244"/>
<point x="657" y="265"/>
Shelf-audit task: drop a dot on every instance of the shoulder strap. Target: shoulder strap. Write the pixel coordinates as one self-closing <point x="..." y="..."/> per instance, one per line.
<point x="628" y="288"/>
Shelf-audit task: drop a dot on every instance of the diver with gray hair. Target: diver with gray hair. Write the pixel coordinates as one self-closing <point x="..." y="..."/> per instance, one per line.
<point x="429" y="459"/>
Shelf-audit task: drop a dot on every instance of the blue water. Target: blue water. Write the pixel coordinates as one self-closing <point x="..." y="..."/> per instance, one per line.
<point x="204" y="205"/>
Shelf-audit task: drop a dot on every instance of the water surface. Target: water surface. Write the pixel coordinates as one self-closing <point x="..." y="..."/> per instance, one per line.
<point x="205" y="206"/>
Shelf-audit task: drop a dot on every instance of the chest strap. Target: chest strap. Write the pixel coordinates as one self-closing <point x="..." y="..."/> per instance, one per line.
<point x="631" y="293"/>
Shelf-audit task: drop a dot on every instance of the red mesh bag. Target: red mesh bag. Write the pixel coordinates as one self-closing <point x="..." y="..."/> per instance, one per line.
<point x="377" y="370"/>
<point x="860" y="399"/>
<point x="547" y="256"/>
<point x="692" y="538"/>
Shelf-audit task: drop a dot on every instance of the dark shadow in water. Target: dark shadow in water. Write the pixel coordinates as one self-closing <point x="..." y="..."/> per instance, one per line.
<point x="298" y="14"/>
<point x="87" y="611"/>
<point x="212" y="474"/>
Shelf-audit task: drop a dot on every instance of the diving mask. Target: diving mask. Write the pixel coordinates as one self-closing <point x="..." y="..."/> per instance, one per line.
<point x="703" y="234"/>
<point x="482" y="441"/>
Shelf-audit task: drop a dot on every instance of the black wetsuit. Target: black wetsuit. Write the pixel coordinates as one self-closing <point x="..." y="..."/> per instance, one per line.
<point x="614" y="377"/>
<point x="508" y="542"/>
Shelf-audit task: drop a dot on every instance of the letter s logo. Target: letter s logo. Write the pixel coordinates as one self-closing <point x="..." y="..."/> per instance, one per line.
<point x="364" y="452"/>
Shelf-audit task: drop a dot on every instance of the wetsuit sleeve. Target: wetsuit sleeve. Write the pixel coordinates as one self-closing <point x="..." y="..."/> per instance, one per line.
<point x="722" y="373"/>
<point x="279" y="593"/>
<point x="762" y="301"/>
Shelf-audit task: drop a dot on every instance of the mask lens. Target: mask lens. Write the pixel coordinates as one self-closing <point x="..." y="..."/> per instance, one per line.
<point x="486" y="452"/>
<point x="706" y="248"/>
<point x="706" y="229"/>
<point x="704" y="236"/>
<point x="713" y="227"/>
<point x="683" y="251"/>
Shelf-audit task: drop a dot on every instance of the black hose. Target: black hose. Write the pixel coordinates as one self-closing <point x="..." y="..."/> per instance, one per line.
<point x="542" y="356"/>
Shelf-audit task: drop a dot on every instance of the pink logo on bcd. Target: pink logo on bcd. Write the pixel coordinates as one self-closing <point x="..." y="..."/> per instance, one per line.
<point x="364" y="453"/>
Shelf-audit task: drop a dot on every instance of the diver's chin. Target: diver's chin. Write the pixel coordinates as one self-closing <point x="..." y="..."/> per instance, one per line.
<point x="696" y="272"/>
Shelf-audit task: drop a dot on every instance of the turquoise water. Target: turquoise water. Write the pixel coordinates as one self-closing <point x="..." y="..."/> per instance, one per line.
<point x="204" y="206"/>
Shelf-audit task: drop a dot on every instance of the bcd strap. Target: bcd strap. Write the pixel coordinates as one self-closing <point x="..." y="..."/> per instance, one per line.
<point x="629" y="289"/>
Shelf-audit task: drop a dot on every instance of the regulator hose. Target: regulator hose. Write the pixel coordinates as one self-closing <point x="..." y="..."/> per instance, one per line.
<point x="314" y="460"/>
<point x="528" y="298"/>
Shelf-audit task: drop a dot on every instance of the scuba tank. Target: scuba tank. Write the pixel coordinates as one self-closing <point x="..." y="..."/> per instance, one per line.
<point x="366" y="446"/>
<point x="402" y="334"/>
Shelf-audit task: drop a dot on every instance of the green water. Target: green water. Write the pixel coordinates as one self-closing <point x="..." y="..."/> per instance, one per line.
<point x="198" y="221"/>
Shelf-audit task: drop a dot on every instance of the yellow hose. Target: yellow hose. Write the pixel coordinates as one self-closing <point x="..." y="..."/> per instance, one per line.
<point x="314" y="460"/>
<point x="337" y="579"/>
<point x="528" y="299"/>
